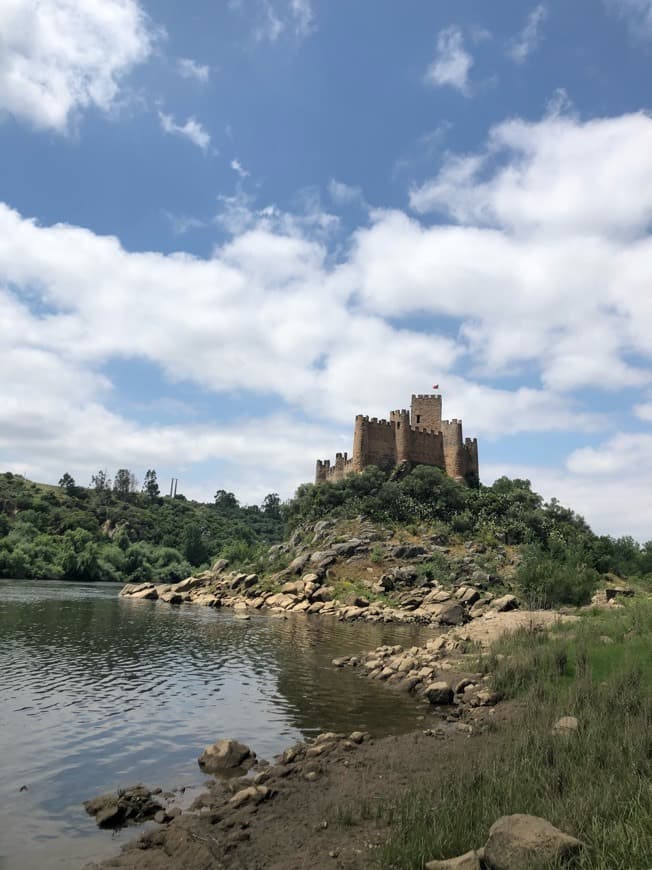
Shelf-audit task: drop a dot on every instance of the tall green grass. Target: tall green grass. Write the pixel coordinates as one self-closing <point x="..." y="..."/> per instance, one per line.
<point x="595" y="784"/>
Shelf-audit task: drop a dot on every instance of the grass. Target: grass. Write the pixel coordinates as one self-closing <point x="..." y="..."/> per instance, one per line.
<point x="595" y="785"/>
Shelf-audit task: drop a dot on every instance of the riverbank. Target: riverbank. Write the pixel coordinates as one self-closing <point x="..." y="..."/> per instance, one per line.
<point x="400" y="801"/>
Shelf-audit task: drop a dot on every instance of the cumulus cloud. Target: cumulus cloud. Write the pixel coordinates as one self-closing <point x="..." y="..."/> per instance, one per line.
<point x="60" y="57"/>
<point x="522" y="46"/>
<point x="541" y="261"/>
<point x="190" y="69"/>
<point x="452" y="62"/>
<point x="191" y="130"/>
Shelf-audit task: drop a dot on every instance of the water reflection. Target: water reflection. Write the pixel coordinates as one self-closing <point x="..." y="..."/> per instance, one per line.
<point x="98" y="692"/>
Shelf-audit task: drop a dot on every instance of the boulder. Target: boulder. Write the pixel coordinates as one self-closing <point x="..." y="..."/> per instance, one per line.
<point x="299" y="563"/>
<point x="439" y="693"/>
<point x="226" y="755"/>
<point x="468" y="861"/>
<point x="188" y="584"/>
<point x="505" y="602"/>
<point x="323" y="557"/>
<point x="128" y="806"/>
<point x="520" y="841"/>
<point x="219" y="566"/>
<point x="171" y="597"/>
<point x="146" y="591"/>
<point x="565" y="726"/>
<point x="450" y="613"/>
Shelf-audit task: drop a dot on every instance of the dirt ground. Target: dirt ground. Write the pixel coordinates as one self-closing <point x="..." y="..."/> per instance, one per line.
<point x="305" y="823"/>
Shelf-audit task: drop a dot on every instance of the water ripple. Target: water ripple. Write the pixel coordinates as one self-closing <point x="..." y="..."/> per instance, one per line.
<point x="98" y="692"/>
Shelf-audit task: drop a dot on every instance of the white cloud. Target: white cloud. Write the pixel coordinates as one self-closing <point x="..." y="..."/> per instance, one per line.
<point x="282" y="16"/>
<point x="303" y="15"/>
<point x="60" y="57"/>
<point x="638" y="14"/>
<point x="522" y="46"/>
<point x="545" y="267"/>
<point x="555" y="175"/>
<point x="238" y="168"/>
<point x="191" y="130"/>
<point x="190" y="69"/>
<point x="452" y="62"/>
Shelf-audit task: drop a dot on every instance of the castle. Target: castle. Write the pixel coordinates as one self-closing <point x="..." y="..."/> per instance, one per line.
<point x="415" y="437"/>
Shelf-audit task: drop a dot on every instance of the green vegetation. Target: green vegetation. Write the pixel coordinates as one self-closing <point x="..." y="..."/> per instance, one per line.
<point x="594" y="784"/>
<point x="562" y="560"/>
<point x="111" y="532"/>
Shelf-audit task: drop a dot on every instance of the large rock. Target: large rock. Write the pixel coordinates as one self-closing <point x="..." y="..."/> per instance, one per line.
<point x="225" y="756"/>
<point x="188" y="584"/>
<point x="467" y="861"/>
<point x="450" y="613"/>
<point x="565" y="726"/>
<point x="128" y="806"/>
<point x="520" y="841"/>
<point x="505" y="602"/>
<point x="439" y="693"/>
<point x="145" y="591"/>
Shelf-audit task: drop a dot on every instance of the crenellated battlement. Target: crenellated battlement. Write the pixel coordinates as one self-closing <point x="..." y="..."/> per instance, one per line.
<point x="417" y="436"/>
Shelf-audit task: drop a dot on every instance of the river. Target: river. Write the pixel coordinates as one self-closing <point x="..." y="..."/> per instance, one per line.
<point x="99" y="692"/>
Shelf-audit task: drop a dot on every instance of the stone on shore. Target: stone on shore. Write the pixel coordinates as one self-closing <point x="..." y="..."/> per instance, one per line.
<point x="439" y="693"/>
<point x="127" y="806"/>
<point x="226" y="755"/>
<point x="520" y="841"/>
<point x="468" y="861"/>
<point x="145" y="591"/>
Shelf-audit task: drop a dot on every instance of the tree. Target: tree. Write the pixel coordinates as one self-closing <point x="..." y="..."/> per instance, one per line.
<point x="67" y="482"/>
<point x="272" y="504"/>
<point x="124" y="483"/>
<point x="100" y="481"/>
<point x="150" y="484"/>
<point x="194" y="547"/>
<point x="225" y="500"/>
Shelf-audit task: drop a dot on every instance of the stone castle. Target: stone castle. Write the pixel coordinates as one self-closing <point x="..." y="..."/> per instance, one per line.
<point x="415" y="437"/>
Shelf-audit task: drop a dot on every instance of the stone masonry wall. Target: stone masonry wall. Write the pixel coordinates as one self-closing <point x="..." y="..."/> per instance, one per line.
<point x="388" y="443"/>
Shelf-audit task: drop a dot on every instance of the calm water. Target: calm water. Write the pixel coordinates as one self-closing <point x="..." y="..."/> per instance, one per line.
<point x="97" y="692"/>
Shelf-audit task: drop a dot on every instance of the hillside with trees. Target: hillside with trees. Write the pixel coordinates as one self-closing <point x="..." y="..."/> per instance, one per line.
<point x="110" y="531"/>
<point x="113" y="531"/>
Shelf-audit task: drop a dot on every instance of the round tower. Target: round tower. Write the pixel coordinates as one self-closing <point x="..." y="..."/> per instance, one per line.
<point x="401" y="421"/>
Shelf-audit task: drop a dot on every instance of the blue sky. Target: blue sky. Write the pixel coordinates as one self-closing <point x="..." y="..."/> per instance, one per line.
<point x="227" y="228"/>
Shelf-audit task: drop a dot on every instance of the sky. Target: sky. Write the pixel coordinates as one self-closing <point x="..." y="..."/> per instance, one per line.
<point x="228" y="227"/>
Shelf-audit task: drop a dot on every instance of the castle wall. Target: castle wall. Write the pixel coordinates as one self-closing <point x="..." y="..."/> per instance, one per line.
<point x="426" y="412"/>
<point x="342" y="467"/>
<point x="381" y="444"/>
<point x="426" y="448"/>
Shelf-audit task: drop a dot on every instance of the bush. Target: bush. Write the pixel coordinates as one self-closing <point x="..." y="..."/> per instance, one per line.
<point x="549" y="579"/>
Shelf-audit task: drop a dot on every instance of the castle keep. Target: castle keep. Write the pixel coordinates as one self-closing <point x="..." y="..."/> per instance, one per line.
<point x="415" y="437"/>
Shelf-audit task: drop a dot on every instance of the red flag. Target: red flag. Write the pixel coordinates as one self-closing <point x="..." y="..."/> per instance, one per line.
<point x="435" y="386"/>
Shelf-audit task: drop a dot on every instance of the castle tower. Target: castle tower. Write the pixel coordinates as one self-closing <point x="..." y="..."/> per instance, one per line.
<point x="401" y="421"/>
<point x="426" y="411"/>
<point x="454" y="453"/>
<point x="360" y="443"/>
